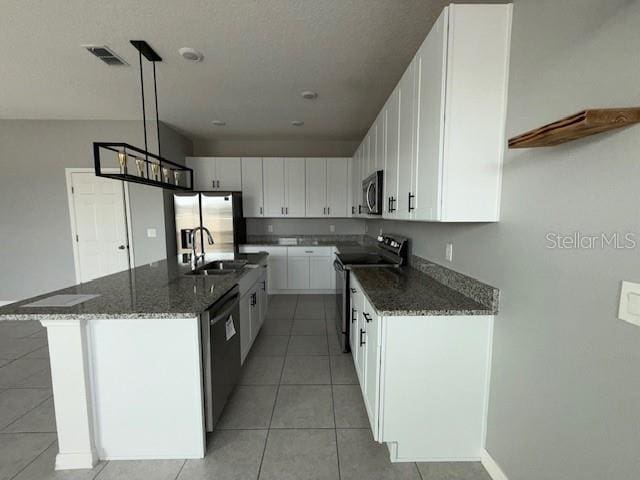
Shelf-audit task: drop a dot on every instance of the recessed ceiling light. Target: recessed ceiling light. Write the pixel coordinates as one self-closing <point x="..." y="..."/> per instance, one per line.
<point x="219" y="123"/>
<point x="191" y="54"/>
<point x="297" y="123"/>
<point x="309" y="95"/>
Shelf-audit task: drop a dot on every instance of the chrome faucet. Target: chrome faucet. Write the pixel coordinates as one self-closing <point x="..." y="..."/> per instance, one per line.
<point x="197" y="256"/>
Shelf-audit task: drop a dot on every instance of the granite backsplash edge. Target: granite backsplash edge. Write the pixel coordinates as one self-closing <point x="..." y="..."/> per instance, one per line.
<point x="468" y="286"/>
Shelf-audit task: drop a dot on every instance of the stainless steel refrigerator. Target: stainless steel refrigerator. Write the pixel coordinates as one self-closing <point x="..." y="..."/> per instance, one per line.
<point x="220" y="213"/>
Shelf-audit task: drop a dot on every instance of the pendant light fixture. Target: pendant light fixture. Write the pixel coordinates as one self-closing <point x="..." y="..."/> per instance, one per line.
<point x="140" y="165"/>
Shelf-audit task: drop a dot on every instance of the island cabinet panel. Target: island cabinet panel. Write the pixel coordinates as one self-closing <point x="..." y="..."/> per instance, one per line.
<point x="277" y="265"/>
<point x="147" y="398"/>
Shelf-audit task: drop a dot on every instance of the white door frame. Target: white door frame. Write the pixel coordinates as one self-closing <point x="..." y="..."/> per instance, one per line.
<point x="72" y="216"/>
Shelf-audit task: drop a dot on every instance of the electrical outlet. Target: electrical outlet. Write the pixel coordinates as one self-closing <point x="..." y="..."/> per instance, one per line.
<point x="449" y="252"/>
<point x="151" y="233"/>
<point x="629" y="309"/>
<point x="270" y="228"/>
<point x="332" y="228"/>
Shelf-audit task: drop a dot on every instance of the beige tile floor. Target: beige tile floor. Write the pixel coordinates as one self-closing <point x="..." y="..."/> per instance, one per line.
<point x="297" y="413"/>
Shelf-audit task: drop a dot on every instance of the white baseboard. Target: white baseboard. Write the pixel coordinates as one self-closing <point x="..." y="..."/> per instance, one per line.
<point x="75" y="461"/>
<point x="492" y="467"/>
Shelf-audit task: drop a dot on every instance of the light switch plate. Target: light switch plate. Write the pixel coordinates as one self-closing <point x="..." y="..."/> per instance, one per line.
<point x="151" y="233"/>
<point x="449" y="252"/>
<point x="629" y="309"/>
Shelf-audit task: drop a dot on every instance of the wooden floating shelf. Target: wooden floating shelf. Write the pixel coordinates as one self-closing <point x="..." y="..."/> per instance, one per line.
<point x="581" y="124"/>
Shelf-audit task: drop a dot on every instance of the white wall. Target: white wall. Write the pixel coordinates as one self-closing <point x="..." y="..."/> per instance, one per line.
<point x="275" y="148"/>
<point x="305" y="226"/>
<point x="37" y="254"/>
<point x="565" y="386"/>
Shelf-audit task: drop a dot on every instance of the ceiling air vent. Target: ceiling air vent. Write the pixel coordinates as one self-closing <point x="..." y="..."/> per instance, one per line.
<point x="105" y="54"/>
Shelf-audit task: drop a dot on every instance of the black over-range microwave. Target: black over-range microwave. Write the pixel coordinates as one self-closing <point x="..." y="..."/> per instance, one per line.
<point x="372" y="194"/>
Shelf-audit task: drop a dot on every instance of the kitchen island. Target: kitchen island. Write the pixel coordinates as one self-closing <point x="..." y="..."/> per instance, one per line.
<point x="126" y="364"/>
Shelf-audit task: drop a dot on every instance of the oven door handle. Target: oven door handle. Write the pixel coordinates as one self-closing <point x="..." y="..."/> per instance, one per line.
<point x="337" y="266"/>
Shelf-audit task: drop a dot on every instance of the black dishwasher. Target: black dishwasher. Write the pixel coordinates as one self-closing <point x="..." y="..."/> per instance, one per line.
<point x="220" y="354"/>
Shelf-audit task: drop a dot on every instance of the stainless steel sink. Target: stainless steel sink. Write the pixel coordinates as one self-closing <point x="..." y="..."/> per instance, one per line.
<point x="218" y="267"/>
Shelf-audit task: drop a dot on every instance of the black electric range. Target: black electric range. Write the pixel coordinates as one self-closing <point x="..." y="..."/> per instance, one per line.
<point x="389" y="251"/>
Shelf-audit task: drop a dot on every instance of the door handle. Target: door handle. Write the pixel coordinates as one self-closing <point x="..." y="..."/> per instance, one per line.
<point x="362" y="342"/>
<point x="367" y="317"/>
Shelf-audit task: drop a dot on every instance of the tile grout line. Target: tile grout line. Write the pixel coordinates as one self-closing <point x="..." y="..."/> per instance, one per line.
<point x="27" y="413"/>
<point x="273" y="409"/>
<point x="333" y="400"/>
<point x="34" y="459"/>
<point x="181" y="467"/>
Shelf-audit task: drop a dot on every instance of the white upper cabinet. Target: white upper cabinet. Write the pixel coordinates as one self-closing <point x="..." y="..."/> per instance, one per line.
<point x="252" y="193"/>
<point x="316" y="187"/>
<point x="295" y="191"/>
<point x="327" y="187"/>
<point x="451" y="120"/>
<point x="390" y="176"/>
<point x="216" y="173"/>
<point x="381" y="138"/>
<point x="228" y="174"/>
<point x="337" y="187"/>
<point x="406" y="140"/>
<point x="274" y="185"/>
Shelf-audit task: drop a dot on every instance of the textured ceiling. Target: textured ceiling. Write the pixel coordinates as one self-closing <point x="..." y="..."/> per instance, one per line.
<point x="259" y="56"/>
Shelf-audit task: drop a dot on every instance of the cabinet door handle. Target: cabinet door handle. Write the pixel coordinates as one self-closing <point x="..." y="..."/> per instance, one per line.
<point x="359" y="209"/>
<point x="286" y="210"/>
<point x="353" y="313"/>
<point x="308" y="251"/>
<point x="213" y="184"/>
<point x="353" y="210"/>
<point x="353" y="290"/>
<point x="260" y="210"/>
<point x="392" y="200"/>
<point x="367" y="317"/>
<point x="362" y="342"/>
<point x="328" y="210"/>
<point x="218" y="183"/>
<point x="409" y="202"/>
<point x="264" y="285"/>
<point x="282" y="210"/>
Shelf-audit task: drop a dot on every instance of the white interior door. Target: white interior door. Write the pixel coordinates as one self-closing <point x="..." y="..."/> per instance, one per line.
<point x="100" y="225"/>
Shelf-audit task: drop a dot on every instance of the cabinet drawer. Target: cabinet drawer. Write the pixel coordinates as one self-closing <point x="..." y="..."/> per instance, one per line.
<point x="310" y="251"/>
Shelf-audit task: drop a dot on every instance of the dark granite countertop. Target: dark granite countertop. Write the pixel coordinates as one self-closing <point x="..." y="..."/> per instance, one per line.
<point x="407" y="291"/>
<point x="156" y="290"/>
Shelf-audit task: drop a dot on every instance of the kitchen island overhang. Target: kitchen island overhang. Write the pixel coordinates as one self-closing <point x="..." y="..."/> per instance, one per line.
<point x="126" y="366"/>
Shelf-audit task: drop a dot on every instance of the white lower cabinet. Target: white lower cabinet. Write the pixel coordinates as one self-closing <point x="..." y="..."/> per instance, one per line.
<point x="297" y="269"/>
<point x="424" y="380"/>
<point x="252" y="314"/>
<point x="298" y="273"/>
